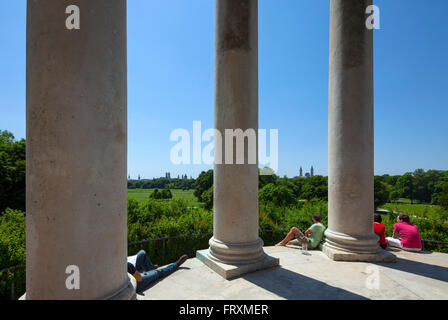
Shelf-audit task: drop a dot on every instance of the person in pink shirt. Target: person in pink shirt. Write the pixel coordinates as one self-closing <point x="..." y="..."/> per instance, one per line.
<point x="409" y="236"/>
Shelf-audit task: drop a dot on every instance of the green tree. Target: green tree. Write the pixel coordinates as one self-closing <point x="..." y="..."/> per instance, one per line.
<point x="390" y="180"/>
<point x="161" y="194"/>
<point x="440" y="196"/>
<point x="166" y="194"/>
<point x="381" y="193"/>
<point x="265" y="176"/>
<point x="296" y="189"/>
<point x="203" y="183"/>
<point x="298" y="182"/>
<point x="406" y="186"/>
<point x="443" y="195"/>
<point x="207" y="198"/>
<point x="155" y="194"/>
<point x="437" y="186"/>
<point x="12" y="172"/>
<point x="315" y="187"/>
<point x="280" y="195"/>
<point x="421" y="180"/>
<point x="12" y="252"/>
<point x="394" y="195"/>
<point x="12" y="238"/>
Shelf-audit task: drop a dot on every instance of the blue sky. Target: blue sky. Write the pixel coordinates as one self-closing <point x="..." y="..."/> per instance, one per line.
<point x="170" y="80"/>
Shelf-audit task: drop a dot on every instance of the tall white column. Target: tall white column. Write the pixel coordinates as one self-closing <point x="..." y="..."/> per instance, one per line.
<point x="350" y="233"/>
<point x="77" y="151"/>
<point x="235" y="241"/>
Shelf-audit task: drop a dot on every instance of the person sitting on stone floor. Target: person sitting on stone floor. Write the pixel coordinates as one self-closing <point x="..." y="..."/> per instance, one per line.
<point x="380" y="230"/>
<point x="312" y="237"/>
<point x="410" y="237"/>
<point x="146" y="273"/>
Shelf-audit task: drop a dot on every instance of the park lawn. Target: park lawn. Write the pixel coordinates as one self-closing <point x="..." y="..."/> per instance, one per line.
<point x="419" y="210"/>
<point x="139" y="194"/>
<point x="187" y="195"/>
<point x="407" y="201"/>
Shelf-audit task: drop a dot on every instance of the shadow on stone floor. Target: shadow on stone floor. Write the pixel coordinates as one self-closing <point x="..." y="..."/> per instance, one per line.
<point x="300" y="248"/>
<point x="422" y="269"/>
<point x="391" y="249"/>
<point x="294" y="286"/>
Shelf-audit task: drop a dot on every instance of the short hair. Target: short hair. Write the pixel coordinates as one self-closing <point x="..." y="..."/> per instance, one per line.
<point x="404" y="217"/>
<point x="316" y="217"/>
<point x="377" y="218"/>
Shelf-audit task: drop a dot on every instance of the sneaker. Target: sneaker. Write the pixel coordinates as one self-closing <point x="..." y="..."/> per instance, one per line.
<point x="181" y="260"/>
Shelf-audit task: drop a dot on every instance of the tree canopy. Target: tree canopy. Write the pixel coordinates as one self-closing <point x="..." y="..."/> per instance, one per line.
<point x="161" y="194"/>
<point x="280" y="195"/>
<point x="203" y="183"/>
<point x="12" y="172"/>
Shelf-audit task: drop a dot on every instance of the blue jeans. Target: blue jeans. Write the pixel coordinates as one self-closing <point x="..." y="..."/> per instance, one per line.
<point x="144" y="266"/>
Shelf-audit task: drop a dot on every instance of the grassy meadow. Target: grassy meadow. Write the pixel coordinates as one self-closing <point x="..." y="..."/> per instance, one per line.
<point x="143" y="194"/>
<point x="419" y="210"/>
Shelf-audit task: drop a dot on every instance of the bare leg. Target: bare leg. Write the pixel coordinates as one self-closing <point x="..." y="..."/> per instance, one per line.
<point x="291" y="235"/>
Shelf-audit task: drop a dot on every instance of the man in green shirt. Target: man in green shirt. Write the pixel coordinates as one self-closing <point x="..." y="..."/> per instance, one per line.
<point x="312" y="236"/>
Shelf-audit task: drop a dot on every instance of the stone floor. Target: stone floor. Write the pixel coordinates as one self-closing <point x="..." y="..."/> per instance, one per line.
<point x="302" y="277"/>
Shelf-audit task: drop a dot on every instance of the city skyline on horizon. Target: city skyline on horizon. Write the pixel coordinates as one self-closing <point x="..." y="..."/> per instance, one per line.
<point x="298" y="175"/>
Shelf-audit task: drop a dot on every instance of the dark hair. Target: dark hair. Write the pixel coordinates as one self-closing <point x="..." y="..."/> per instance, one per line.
<point x="316" y="217"/>
<point x="404" y="217"/>
<point x="377" y="218"/>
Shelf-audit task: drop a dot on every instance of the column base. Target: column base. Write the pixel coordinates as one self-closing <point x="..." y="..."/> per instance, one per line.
<point x="236" y="253"/>
<point x="125" y="293"/>
<point x="229" y="271"/>
<point x="342" y="255"/>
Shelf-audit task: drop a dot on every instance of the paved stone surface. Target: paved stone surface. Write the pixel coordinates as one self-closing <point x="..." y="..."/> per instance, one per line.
<point x="303" y="277"/>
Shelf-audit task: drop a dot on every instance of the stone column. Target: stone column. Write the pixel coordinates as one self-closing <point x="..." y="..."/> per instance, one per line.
<point x="350" y="233"/>
<point x="77" y="151"/>
<point x="235" y="247"/>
